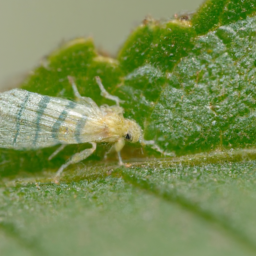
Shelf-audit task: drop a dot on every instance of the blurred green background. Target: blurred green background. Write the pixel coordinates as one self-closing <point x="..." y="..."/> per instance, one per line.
<point x="32" y="29"/>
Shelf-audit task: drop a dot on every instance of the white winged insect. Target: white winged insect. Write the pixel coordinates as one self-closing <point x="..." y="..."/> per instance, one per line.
<point x="31" y="121"/>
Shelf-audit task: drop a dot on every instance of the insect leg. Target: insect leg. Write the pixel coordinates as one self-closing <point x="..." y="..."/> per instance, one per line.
<point x="118" y="147"/>
<point x="109" y="151"/>
<point x="76" y="158"/>
<point x="56" y="151"/>
<point x="105" y="94"/>
<point x="120" y="158"/>
<point x="80" y="99"/>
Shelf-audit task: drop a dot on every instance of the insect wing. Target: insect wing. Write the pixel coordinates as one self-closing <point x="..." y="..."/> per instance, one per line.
<point x="30" y="120"/>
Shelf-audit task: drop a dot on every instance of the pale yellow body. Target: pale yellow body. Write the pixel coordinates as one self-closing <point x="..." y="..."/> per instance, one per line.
<point x="105" y="124"/>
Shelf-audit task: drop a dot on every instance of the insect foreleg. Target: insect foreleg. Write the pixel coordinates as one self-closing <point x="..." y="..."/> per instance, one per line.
<point x="57" y="151"/>
<point x="80" y="99"/>
<point x="105" y="94"/>
<point x="118" y="147"/>
<point x="76" y="158"/>
<point x="120" y="158"/>
<point x="109" y="151"/>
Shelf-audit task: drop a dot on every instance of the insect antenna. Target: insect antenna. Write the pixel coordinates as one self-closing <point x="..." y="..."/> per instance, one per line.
<point x="154" y="146"/>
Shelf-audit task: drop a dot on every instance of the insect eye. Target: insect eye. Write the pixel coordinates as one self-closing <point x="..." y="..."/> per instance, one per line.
<point x="128" y="136"/>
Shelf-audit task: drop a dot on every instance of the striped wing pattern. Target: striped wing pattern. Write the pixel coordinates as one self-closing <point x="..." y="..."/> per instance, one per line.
<point x="29" y="120"/>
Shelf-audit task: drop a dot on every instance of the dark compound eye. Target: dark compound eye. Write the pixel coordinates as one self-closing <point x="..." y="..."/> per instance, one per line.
<point x="128" y="136"/>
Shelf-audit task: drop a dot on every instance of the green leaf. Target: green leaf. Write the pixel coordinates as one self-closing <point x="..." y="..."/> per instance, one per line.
<point x="208" y="16"/>
<point x="190" y="84"/>
<point x="209" y="99"/>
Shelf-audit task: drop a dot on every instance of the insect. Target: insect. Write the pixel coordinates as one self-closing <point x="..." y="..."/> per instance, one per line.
<point x="31" y="121"/>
